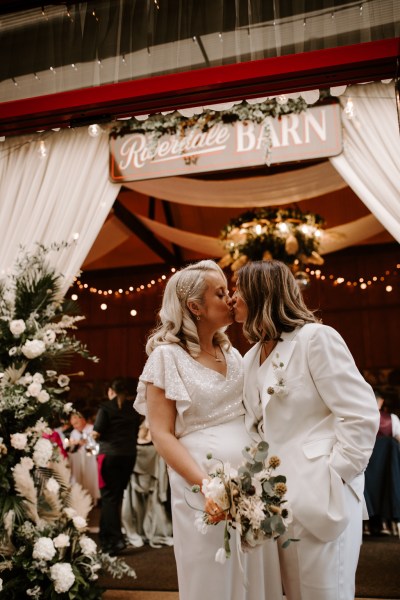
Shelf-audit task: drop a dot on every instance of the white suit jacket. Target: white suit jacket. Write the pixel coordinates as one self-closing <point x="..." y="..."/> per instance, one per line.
<point x="321" y="422"/>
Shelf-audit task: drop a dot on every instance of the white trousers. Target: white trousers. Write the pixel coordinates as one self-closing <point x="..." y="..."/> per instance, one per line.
<point x="315" y="570"/>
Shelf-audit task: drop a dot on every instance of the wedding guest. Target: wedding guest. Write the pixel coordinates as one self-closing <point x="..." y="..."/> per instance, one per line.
<point x="82" y="455"/>
<point x="116" y="427"/>
<point x="191" y="393"/>
<point x="307" y="399"/>
<point x="382" y="476"/>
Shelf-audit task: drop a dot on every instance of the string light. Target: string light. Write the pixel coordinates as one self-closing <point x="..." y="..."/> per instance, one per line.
<point x="362" y="282"/>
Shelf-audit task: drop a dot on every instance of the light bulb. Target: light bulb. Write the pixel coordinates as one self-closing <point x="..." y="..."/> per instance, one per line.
<point x="94" y="130"/>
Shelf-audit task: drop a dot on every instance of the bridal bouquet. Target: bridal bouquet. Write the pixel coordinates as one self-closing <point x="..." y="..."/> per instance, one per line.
<point x="250" y="499"/>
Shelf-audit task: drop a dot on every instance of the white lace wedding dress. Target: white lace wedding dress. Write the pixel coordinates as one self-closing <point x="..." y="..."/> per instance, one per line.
<point x="210" y="418"/>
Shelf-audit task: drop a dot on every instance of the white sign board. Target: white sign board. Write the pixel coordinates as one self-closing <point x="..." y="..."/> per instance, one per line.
<point x="314" y="133"/>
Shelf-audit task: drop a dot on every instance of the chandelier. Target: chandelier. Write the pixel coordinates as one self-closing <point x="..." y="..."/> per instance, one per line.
<point x="288" y="235"/>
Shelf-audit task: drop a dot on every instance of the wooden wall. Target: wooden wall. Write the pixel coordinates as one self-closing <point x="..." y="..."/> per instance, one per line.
<point x="369" y="320"/>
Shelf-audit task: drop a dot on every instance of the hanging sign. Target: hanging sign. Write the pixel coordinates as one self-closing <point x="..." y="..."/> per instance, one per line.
<point x="314" y="133"/>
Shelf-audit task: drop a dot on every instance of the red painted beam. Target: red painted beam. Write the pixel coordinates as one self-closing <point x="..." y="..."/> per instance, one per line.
<point x="357" y="63"/>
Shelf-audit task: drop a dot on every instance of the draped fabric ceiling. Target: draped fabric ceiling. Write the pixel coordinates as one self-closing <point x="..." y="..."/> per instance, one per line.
<point x="201" y="207"/>
<point x="357" y="193"/>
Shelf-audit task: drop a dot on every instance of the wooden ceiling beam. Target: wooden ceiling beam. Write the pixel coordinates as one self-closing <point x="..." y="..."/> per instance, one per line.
<point x="145" y="235"/>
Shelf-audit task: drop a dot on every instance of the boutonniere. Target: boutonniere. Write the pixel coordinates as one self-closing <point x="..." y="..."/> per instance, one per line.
<point x="280" y="386"/>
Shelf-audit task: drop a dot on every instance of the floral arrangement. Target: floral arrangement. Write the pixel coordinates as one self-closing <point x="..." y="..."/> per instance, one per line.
<point x="250" y="500"/>
<point x="175" y="123"/>
<point x="44" y="549"/>
<point x="287" y="234"/>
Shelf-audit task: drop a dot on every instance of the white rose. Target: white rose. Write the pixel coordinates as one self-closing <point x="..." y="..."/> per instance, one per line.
<point x="12" y="351"/>
<point x="34" y="389"/>
<point x="88" y="545"/>
<point x="38" y="378"/>
<point x="79" y="522"/>
<point x="214" y="489"/>
<point x="43" y="396"/>
<point x="63" y="380"/>
<point x="17" y="326"/>
<point x="52" y="485"/>
<point x="44" y="549"/>
<point x="220" y="556"/>
<point x="61" y="541"/>
<point x="18" y="440"/>
<point x="49" y="336"/>
<point x="63" y="577"/>
<point x="33" y="348"/>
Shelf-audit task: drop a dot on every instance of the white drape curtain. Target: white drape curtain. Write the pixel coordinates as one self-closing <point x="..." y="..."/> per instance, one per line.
<point x="64" y="196"/>
<point x="267" y="190"/>
<point x="370" y="161"/>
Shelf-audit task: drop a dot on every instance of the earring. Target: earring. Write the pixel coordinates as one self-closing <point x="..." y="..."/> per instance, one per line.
<point x="198" y="317"/>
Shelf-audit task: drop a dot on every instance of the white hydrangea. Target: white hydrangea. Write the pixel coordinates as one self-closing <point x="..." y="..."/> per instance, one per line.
<point x="42" y="452"/>
<point x="43" y="549"/>
<point x="79" y="522"/>
<point x="88" y="545"/>
<point x="33" y="348"/>
<point x="61" y="541"/>
<point x="19" y="440"/>
<point x="63" y="577"/>
<point x="17" y="326"/>
<point x="52" y="485"/>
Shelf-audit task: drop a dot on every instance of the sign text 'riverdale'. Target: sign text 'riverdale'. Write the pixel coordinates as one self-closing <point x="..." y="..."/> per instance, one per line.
<point x="314" y="133"/>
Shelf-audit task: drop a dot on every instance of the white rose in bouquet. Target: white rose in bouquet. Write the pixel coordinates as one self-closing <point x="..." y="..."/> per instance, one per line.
<point x="17" y="326"/>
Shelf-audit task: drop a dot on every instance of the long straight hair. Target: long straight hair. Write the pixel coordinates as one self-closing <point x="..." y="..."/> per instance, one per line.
<point x="273" y="299"/>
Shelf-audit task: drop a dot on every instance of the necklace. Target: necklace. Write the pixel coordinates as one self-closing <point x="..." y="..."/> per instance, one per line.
<point x="215" y="357"/>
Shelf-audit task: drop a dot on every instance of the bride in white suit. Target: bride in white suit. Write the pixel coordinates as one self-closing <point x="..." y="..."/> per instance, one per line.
<point x="305" y="396"/>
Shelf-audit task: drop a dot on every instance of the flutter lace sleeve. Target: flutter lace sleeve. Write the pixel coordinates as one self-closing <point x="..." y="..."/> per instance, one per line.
<point x="162" y="370"/>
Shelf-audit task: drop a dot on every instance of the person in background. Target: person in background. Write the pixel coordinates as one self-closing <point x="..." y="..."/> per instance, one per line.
<point x="389" y="424"/>
<point x="308" y="400"/>
<point x="382" y="476"/>
<point x="191" y="393"/>
<point x="116" y="428"/>
<point x="82" y="455"/>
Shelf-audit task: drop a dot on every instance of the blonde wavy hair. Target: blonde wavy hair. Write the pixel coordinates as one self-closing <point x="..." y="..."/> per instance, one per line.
<point x="273" y="299"/>
<point x="177" y="324"/>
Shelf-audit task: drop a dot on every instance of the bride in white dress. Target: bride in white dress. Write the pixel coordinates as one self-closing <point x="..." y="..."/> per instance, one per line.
<point x="191" y="393"/>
